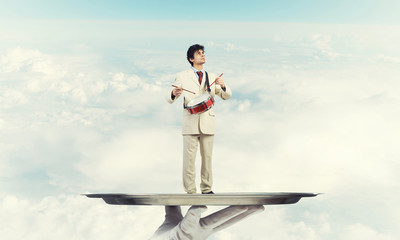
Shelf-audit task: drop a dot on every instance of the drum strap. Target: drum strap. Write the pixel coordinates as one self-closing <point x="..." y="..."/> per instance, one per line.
<point x="207" y="83"/>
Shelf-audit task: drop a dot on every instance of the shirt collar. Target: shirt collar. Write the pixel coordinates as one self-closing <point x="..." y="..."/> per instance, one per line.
<point x="195" y="70"/>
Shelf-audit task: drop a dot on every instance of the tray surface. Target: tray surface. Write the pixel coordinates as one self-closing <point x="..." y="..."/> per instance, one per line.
<point x="219" y="199"/>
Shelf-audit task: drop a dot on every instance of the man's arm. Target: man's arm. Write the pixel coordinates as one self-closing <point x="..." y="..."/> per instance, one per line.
<point x="176" y="91"/>
<point x="221" y="89"/>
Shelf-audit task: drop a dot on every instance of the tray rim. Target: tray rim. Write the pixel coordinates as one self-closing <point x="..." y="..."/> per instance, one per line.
<point x="219" y="199"/>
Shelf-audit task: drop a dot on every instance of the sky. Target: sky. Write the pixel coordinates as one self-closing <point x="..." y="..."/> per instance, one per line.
<point x="339" y="11"/>
<point x="315" y="108"/>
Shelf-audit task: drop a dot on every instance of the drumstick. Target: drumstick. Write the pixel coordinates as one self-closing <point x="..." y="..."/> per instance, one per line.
<point x="214" y="82"/>
<point x="184" y="89"/>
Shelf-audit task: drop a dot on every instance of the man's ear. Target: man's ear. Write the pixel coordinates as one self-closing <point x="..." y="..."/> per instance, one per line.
<point x="191" y="59"/>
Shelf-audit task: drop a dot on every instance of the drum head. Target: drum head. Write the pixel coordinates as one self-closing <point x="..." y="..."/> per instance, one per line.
<point x="198" y="100"/>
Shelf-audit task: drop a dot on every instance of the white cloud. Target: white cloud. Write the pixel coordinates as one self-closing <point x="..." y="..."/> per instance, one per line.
<point x="388" y="59"/>
<point x="244" y="106"/>
<point x="231" y="47"/>
<point x="359" y="231"/>
<point x="11" y="98"/>
<point x="19" y="59"/>
<point x="121" y="82"/>
<point x="75" y="217"/>
<point x="135" y="157"/>
<point x="322" y="42"/>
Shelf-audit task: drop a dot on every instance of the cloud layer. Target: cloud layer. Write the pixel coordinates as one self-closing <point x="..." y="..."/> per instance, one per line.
<point x="315" y="109"/>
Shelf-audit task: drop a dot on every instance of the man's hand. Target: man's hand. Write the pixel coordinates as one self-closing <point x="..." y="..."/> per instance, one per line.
<point x="177" y="91"/>
<point x="193" y="227"/>
<point x="220" y="81"/>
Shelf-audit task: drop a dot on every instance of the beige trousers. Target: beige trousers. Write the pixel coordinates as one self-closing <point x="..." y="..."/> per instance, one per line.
<point x="190" y="144"/>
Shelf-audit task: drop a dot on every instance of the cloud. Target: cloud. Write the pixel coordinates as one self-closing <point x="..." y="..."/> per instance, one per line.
<point x="236" y="47"/>
<point x="12" y="98"/>
<point x="359" y="231"/>
<point x="130" y="157"/>
<point x="387" y="59"/>
<point x="322" y="42"/>
<point x="19" y="59"/>
<point x="244" y="106"/>
<point x="45" y="117"/>
<point x="74" y="217"/>
<point x="121" y="82"/>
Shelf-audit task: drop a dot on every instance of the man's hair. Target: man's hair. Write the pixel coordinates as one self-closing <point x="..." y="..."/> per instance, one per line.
<point x="192" y="49"/>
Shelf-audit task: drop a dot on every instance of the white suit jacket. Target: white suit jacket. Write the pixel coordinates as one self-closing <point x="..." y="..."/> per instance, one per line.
<point x="203" y="122"/>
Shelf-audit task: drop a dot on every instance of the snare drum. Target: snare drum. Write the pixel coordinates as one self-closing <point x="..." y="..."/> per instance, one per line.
<point x="200" y="104"/>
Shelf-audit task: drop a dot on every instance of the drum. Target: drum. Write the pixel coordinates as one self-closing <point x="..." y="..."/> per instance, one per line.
<point x="200" y="104"/>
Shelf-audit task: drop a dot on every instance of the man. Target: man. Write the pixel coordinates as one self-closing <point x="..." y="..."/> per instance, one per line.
<point x="198" y="129"/>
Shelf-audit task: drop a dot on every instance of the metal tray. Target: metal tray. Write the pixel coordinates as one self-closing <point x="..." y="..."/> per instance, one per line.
<point x="219" y="199"/>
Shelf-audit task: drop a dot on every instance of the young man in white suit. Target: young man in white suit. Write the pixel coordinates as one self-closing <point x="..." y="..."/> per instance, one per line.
<point x="197" y="129"/>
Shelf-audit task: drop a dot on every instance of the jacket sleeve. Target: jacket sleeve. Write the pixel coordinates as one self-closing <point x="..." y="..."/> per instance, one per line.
<point x="225" y="95"/>
<point x="177" y="82"/>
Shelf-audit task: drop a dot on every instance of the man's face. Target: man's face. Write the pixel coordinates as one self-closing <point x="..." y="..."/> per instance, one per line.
<point x="198" y="58"/>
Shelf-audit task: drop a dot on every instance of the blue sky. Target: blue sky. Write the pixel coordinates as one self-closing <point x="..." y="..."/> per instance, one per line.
<point x="314" y="109"/>
<point x="340" y="11"/>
